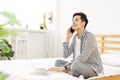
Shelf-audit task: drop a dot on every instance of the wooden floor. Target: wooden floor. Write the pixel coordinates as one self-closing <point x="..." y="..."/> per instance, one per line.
<point x="113" y="77"/>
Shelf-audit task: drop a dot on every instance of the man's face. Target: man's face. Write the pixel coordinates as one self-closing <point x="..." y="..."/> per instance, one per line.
<point x="77" y="22"/>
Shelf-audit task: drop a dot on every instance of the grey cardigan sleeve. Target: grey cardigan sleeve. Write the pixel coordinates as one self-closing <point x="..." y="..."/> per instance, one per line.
<point x="67" y="49"/>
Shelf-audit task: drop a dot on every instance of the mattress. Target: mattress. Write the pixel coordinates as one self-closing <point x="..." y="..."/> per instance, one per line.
<point x="36" y="69"/>
<point x="110" y="72"/>
<point x="32" y="69"/>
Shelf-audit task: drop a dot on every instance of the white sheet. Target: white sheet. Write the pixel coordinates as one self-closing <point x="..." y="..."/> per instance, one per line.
<point x="111" y="70"/>
<point x="26" y="70"/>
<point x="108" y="71"/>
<point x="111" y="59"/>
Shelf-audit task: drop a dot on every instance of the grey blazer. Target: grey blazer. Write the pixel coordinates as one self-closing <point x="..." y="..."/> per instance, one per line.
<point x="89" y="52"/>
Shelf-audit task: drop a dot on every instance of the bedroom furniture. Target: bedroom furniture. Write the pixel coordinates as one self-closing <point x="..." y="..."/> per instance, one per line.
<point x="29" y="44"/>
<point x="20" y="43"/>
<point x="112" y="77"/>
<point x="28" y="69"/>
<point x="108" y="42"/>
<point x="109" y="47"/>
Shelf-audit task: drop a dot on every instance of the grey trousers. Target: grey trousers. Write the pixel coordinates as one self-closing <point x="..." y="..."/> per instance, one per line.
<point x="78" y="68"/>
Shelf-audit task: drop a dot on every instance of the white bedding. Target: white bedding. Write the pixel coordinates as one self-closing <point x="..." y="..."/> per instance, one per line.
<point x="111" y="70"/>
<point x="108" y="71"/>
<point x="111" y="59"/>
<point x="111" y="63"/>
<point x="28" y="70"/>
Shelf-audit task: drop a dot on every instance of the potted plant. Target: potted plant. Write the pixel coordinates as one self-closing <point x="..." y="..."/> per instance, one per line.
<point x="5" y="47"/>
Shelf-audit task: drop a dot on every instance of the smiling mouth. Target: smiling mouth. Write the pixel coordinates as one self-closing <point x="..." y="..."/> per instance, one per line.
<point x="74" y="25"/>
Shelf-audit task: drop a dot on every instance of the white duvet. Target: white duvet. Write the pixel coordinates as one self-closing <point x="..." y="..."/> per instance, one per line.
<point x="36" y="69"/>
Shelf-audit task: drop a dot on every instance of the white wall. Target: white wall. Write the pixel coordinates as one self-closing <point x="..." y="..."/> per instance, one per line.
<point x="29" y="12"/>
<point x="103" y="15"/>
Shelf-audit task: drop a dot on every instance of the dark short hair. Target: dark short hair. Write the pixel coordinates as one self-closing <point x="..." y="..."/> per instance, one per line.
<point x="83" y="17"/>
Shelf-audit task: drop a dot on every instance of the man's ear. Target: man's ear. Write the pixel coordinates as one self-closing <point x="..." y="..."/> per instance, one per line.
<point x="83" y="23"/>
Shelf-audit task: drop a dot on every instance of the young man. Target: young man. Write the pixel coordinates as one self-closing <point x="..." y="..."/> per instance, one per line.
<point x="86" y="58"/>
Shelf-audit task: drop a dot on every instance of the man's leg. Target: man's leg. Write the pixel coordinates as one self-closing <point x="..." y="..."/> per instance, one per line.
<point x="79" y="68"/>
<point x="60" y="63"/>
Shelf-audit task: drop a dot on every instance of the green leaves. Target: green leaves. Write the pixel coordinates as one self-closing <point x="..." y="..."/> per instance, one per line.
<point x="4" y="31"/>
<point x="3" y="76"/>
<point x="6" y="48"/>
<point x="12" y="20"/>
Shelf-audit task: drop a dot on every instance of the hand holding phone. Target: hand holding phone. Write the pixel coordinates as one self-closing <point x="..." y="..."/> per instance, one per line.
<point x="72" y="30"/>
<point x="69" y="33"/>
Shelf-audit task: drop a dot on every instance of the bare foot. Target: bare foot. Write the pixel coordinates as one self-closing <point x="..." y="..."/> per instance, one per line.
<point x="57" y="69"/>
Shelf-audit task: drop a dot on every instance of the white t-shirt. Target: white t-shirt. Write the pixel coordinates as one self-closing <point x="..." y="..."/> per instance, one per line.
<point x="77" y="46"/>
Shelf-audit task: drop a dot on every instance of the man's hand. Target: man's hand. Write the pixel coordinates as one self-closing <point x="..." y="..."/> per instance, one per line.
<point x="66" y="66"/>
<point x="69" y="34"/>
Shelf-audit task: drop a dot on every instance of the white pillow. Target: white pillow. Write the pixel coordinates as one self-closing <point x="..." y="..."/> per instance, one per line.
<point x="111" y="59"/>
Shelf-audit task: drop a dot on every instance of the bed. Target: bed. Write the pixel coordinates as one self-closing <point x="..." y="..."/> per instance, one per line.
<point x="36" y="69"/>
<point x="109" y="47"/>
<point x="30" y="70"/>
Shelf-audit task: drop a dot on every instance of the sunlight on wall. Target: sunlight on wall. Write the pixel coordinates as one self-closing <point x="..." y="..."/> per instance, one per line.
<point x="103" y="15"/>
<point x="29" y="12"/>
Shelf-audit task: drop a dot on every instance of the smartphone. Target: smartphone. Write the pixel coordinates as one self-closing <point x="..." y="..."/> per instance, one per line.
<point x="72" y="30"/>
